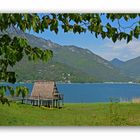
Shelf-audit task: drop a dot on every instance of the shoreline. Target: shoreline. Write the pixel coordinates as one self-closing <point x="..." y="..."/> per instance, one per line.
<point x="75" y="83"/>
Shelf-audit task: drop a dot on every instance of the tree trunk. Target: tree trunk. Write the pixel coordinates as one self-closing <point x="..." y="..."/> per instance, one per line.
<point x="22" y="100"/>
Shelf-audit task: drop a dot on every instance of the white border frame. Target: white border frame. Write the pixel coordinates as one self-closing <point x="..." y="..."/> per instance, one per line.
<point x="71" y="133"/>
<point x="98" y="6"/>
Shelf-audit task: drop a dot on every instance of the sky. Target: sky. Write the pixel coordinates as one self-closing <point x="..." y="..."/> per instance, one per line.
<point x="102" y="47"/>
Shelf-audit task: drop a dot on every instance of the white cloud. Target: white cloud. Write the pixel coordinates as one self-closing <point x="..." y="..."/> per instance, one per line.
<point x="120" y="49"/>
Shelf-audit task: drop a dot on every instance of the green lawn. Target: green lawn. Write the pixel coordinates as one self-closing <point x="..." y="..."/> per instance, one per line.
<point x="98" y="114"/>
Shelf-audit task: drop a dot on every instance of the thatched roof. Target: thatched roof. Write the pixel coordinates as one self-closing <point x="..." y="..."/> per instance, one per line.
<point x="45" y="90"/>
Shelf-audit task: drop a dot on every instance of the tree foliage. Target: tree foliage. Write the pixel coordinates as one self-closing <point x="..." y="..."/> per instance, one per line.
<point x="13" y="49"/>
<point x="21" y="90"/>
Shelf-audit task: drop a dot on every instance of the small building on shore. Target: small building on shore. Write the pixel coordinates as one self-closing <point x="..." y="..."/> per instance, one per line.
<point x="45" y="93"/>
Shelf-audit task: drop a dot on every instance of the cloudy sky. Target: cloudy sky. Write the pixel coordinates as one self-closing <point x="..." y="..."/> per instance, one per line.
<point x="120" y="49"/>
<point x="104" y="48"/>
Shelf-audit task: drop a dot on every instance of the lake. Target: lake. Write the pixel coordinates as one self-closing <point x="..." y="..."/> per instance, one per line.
<point x="95" y="92"/>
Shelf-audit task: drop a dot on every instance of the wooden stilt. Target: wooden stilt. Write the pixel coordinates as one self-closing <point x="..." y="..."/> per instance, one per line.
<point x="38" y="102"/>
<point x="47" y="103"/>
<point x="56" y="103"/>
<point x="62" y="102"/>
<point x="52" y="103"/>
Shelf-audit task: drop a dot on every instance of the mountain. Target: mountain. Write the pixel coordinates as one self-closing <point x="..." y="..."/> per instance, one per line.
<point x="50" y="71"/>
<point x="88" y="62"/>
<point x="69" y="63"/>
<point x="131" y="68"/>
<point x="116" y="62"/>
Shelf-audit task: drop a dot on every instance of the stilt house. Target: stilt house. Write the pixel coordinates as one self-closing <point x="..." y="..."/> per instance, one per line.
<point x="45" y="93"/>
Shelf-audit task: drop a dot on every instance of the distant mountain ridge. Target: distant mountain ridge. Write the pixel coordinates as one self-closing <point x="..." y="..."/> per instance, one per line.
<point x="131" y="68"/>
<point x="116" y="62"/>
<point x="69" y="64"/>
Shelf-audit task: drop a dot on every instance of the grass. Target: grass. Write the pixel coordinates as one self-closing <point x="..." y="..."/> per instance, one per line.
<point x="97" y="114"/>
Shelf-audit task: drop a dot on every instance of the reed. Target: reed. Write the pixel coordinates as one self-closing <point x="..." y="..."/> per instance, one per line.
<point x="136" y="100"/>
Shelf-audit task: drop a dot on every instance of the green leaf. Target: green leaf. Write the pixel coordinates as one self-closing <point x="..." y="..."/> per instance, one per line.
<point x="2" y="90"/>
<point x="114" y="38"/>
<point x="103" y="35"/>
<point x="129" y="38"/>
<point x="11" y="77"/>
<point x="137" y="32"/>
<point x="21" y="90"/>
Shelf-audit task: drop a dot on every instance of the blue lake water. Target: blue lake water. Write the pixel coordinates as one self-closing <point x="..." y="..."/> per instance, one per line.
<point x="96" y="92"/>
